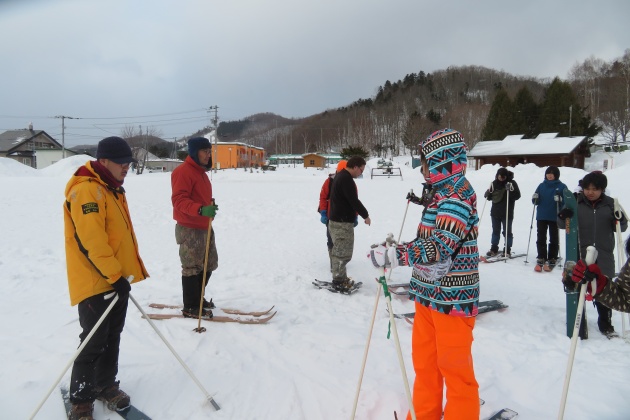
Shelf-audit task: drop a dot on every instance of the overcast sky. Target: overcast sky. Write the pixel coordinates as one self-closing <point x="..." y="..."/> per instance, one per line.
<point x="162" y="63"/>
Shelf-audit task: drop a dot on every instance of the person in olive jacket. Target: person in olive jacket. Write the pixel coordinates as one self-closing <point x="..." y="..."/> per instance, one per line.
<point x="101" y="253"/>
<point x="502" y="189"/>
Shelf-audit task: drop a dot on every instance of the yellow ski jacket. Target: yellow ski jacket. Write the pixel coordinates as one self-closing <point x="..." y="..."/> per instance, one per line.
<point x="100" y="243"/>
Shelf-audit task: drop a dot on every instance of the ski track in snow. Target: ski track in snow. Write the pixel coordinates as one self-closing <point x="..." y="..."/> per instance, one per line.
<point x="305" y="363"/>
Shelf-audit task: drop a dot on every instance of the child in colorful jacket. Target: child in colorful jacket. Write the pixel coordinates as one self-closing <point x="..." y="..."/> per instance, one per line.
<point x="446" y="303"/>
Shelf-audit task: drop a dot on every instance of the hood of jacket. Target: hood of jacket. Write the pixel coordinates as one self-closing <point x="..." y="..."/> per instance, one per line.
<point x="445" y="152"/>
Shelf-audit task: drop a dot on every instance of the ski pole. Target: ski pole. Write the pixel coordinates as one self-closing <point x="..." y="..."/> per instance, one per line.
<point x="80" y="349"/>
<point x="369" y="338"/>
<point x="199" y="328"/>
<point x="591" y="256"/>
<point x="483" y="210"/>
<point x="531" y="226"/>
<point x="619" y="213"/>
<point x="179" y="359"/>
<point x="508" y="185"/>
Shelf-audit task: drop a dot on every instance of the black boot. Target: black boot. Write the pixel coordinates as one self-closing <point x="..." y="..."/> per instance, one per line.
<point x="206" y="304"/>
<point x="604" y="321"/>
<point x="190" y="291"/>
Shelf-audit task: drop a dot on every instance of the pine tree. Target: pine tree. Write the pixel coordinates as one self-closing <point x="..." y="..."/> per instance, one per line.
<point x="499" y="118"/>
<point x="526" y="114"/>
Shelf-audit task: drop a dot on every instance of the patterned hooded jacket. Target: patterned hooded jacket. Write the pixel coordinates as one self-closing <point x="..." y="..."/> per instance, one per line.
<point x="448" y="225"/>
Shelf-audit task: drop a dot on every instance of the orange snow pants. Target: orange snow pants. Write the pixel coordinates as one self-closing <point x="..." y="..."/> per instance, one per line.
<point x="441" y="353"/>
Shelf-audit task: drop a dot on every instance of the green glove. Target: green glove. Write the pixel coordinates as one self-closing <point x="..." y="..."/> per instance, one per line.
<point x="209" y="211"/>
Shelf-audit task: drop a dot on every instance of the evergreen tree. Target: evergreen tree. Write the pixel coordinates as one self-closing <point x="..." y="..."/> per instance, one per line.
<point x="350" y="151"/>
<point x="526" y="114"/>
<point x="561" y="112"/>
<point x="499" y="121"/>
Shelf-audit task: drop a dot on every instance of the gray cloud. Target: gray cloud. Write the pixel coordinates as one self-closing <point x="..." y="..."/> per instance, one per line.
<point x="87" y="58"/>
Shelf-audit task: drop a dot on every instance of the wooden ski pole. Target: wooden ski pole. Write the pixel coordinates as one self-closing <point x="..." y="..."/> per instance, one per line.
<point x="199" y="328"/>
<point x="591" y="257"/>
<point x="369" y="337"/>
<point x="80" y="349"/>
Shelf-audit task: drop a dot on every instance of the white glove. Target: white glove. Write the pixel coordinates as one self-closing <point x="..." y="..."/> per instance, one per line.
<point x="556" y="197"/>
<point x="535" y="196"/>
<point x="382" y="256"/>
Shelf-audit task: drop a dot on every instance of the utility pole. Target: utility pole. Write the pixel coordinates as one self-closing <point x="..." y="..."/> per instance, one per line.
<point x="63" y="133"/>
<point x="215" y="124"/>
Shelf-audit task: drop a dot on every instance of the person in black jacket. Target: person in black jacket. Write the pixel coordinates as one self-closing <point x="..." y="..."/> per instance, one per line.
<point x="344" y="207"/>
<point x="502" y="213"/>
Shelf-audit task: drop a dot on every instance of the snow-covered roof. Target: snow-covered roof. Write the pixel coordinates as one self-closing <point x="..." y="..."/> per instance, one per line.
<point x="516" y="145"/>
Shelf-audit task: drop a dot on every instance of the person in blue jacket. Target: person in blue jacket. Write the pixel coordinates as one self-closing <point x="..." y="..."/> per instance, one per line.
<point x="548" y="199"/>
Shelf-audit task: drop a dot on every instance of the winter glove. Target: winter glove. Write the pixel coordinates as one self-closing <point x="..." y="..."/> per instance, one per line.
<point x="413" y="198"/>
<point x="488" y="195"/>
<point x="557" y="198"/>
<point x="356" y="221"/>
<point x="382" y="256"/>
<point x="122" y="287"/>
<point x="535" y="198"/>
<point x="591" y="274"/>
<point x="324" y="218"/>
<point x="565" y="213"/>
<point x="208" y="211"/>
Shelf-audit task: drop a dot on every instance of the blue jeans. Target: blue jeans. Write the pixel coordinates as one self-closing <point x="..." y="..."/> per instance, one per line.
<point x="497" y="224"/>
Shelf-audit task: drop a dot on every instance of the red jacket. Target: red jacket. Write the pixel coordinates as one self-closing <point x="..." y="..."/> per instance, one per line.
<point x="191" y="189"/>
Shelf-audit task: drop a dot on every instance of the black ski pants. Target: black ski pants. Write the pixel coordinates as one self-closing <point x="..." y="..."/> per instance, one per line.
<point x="96" y="366"/>
<point x="541" y="242"/>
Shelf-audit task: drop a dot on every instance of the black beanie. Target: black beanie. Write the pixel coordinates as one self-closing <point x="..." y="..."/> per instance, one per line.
<point x="195" y="145"/>
<point x="503" y="172"/>
<point x="553" y="170"/>
<point x="115" y="149"/>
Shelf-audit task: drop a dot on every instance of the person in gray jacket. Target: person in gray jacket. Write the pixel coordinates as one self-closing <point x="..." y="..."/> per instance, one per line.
<point x="596" y="226"/>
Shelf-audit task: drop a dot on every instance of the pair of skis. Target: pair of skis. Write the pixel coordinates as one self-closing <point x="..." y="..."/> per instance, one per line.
<point x="499" y="257"/>
<point x="227" y="315"/>
<point x="504" y="413"/>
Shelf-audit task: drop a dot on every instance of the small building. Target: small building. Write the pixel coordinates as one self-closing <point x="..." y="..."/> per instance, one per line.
<point x="545" y="150"/>
<point x="314" y="160"/>
<point x="34" y="148"/>
<point x="236" y="155"/>
<point x="286" y="159"/>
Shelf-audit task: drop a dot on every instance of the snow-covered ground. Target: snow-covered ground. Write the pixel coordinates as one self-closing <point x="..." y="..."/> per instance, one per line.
<point x="305" y="363"/>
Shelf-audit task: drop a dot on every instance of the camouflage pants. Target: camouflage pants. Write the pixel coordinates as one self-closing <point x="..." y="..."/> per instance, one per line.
<point x="342" y="235"/>
<point x="192" y="250"/>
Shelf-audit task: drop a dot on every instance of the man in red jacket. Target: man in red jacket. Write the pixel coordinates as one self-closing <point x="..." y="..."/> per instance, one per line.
<point x="193" y="208"/>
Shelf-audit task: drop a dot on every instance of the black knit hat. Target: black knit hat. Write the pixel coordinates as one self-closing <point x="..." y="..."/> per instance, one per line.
<point x="195" y="145"/>
<point x="115" y="149"/>
<point x="553" y="170"/>
<point x="503" y="172"/>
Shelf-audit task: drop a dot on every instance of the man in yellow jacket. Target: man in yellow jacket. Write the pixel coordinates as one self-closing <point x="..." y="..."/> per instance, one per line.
<point x="101" y="253"/>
